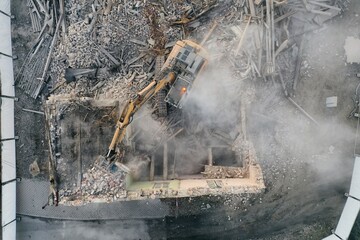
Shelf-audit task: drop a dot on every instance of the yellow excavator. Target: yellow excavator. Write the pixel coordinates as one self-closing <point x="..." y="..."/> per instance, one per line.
<point x="185" y="62"/>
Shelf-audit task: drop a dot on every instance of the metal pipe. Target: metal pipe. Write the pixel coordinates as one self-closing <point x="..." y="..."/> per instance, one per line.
<point x="303" y="111"/>
<point x="152" y="167"/>
<point x="10" y="16"/>
<point x="33" y="111"/>
<point x="6" y="55"/>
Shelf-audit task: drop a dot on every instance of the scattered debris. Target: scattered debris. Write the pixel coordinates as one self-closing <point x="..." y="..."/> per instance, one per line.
<point x="331" y="102"/>
<point x="34" y="169"/>
<point x="352" y="50"/>
<point x="34" y="16"/>
<point x="72" y="74"/>
<point x="33" y="111"/>
<point x="77" y="48"/>
<point x="224" y="172"/>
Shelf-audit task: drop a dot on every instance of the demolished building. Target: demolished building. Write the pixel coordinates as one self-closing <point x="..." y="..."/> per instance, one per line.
<point x="90" y="58"/>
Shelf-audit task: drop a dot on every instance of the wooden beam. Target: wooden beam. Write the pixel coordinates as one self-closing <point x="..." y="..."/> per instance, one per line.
<point x="242" y="37"/>
<point x="252" y="8"/>
<point x="165" y="162"/>
<point x="152" y="167"/>
<point x="210" y="156"/>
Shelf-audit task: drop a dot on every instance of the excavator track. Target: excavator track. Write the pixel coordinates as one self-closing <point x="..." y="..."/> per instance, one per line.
<point x="160" y="96"/>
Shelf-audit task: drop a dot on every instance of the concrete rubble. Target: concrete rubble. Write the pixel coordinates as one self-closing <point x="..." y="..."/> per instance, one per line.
<point x="34" y="169"/>
<point x="352" y="50"/>
<point x="98" y="185"/>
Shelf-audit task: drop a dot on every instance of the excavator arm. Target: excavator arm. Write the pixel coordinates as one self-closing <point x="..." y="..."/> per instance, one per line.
<point x="185" y="61"/>
<point x="134" y="105"/>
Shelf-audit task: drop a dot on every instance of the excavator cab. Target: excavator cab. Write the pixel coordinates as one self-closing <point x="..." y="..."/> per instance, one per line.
<point x="187" y="64"/>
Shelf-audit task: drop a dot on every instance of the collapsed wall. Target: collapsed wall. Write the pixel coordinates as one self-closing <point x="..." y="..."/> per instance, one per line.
<point x="80" y="129"/>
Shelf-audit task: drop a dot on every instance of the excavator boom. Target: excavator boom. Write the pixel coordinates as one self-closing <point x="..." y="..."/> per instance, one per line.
<point x="184" y="63"/>
<point x="134" y="105"/>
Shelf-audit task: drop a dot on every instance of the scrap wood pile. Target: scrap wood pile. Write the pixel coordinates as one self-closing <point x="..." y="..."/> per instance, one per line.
<point x="263" y="38"/>
<point x="47" y="17"/>
<point x="123" y="39"/>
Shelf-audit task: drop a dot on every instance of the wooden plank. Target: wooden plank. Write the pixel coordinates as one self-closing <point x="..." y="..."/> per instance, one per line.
<point x="62" y="12"/>
<point x="79" y="158"/>
<point x="139" y="42"/>
<point x="324" y="5"/>
<point x="298" y="63"/>
<point x="152" y="168"/>
<point x="252" y="8"/>
<point x="208" y="33"/>
<point x="33" y="111"/>
<point x="303" y="111"/>
<point x="286" y="15"/>
<point x="165" y="161"/>
<point x="135" y="59"/>
<point x="117" y="63"/>
<point x="242" y="37"/>
<point x="47" y="64"/>
<point x="43" y="9"/>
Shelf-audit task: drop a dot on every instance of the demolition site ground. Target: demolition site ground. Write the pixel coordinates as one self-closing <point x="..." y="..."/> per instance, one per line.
<point x="245" y="112"/>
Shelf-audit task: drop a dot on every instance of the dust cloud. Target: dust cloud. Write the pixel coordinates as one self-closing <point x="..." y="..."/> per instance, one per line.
<point x="288" y="138"/>
<point x="288" y="142"/>
<point x="215" y="99"/>
<point x="148" y="129"/>
<point x="31" y="228"/>
<point x="211" y="108"/>
<point x="213" y="104"/>
<point x="108" y="231"/>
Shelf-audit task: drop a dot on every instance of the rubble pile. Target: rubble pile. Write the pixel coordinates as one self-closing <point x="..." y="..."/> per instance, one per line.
<point x="91" y="28"/>
<point x="100" y="182"/>
<point x="119" y="42"/>
<point x="98" y="185"/>
<point x="124" y="38"/>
